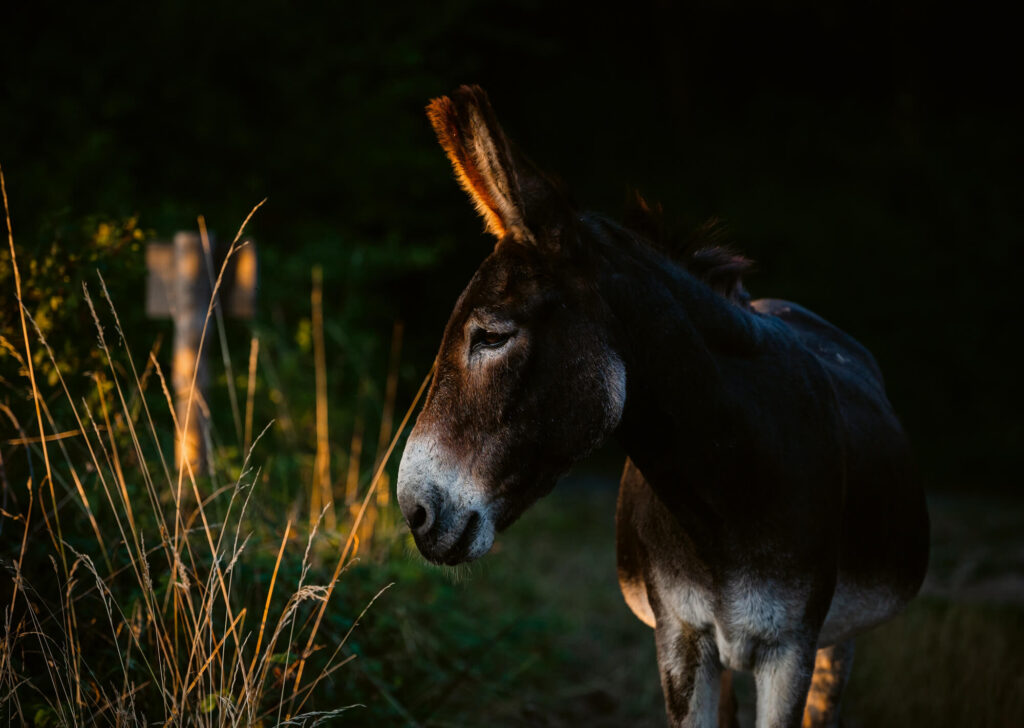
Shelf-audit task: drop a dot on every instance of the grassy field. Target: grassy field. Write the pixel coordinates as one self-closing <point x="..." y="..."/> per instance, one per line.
<point x="141" y="587"/>
<point x="130" y="603"/>
<point x="570" y="653"/>
<point x="137" y="592"/>
<point x="535" y="634"/>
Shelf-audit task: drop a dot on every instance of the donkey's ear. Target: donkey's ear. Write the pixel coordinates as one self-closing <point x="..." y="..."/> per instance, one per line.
<point x="508" y="192"/>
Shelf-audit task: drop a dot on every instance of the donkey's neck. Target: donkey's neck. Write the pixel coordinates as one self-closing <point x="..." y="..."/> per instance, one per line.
<point x="679" y="341"/>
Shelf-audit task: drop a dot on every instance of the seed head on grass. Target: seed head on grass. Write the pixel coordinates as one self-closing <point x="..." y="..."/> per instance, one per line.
<point x="148" y="618"/>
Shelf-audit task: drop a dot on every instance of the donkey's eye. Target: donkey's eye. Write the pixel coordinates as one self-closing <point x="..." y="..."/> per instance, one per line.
<point x="483" y="339"/>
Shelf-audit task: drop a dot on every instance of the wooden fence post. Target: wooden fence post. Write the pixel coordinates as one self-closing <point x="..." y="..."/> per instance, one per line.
<point x="191" y="301"/>
<point x="179" y="287"/>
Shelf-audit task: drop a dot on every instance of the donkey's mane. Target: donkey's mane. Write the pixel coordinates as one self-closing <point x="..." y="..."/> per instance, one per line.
<point x="701" y="251"/>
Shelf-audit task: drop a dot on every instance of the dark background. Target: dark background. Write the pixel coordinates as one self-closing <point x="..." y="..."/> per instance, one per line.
<point x="867" y="155"/>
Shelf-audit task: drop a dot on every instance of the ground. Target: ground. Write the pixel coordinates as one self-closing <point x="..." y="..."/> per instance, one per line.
<point x="954" y="657"/>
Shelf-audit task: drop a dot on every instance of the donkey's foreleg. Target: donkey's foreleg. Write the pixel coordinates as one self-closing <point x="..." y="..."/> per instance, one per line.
<point x="727" y="705"/>
<point x="690" y="671"/>
<point x="831" y="671"/>
<point x="782" y="675"/>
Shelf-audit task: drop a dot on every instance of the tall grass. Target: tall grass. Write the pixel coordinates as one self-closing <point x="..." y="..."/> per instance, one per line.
<point x="144" y="592"/>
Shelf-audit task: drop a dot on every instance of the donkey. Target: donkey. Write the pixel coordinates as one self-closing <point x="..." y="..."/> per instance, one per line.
<point x="768" y="509"/>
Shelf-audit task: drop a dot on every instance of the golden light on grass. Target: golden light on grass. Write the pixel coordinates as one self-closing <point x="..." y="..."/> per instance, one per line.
<point x="159" y="567"/>
<point x="387" y="421"/>
<point x="250" y="391"/>
<point x="352" y="537"/>
<point x="322" y="496"/>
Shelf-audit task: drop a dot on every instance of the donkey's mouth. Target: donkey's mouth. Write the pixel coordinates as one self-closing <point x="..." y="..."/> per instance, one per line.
<point x="460" y="549"/>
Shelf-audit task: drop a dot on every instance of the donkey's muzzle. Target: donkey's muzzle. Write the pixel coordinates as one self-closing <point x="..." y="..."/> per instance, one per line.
<point x="420" y="514"/>
<point x="444" y="534"/>
<point x="419" y="518"/>
<point x="450" y="518"/>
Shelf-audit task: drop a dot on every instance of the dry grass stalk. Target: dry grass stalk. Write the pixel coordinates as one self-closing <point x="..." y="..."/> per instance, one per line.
<point x="355" y="456"/>
<point x="250" y="391"/>
<point x="388" y="418"/>
<point x="353" y="531"/>
<point x="175" y="620"/>
<point x="322" y="497"/>
<point x="225" y="352"/>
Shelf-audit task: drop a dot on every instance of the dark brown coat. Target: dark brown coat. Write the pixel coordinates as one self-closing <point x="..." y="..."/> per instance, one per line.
<point x="768" y="509"/>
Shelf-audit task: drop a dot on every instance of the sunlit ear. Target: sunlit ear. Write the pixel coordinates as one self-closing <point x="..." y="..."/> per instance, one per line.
<point x="484" y="161"/>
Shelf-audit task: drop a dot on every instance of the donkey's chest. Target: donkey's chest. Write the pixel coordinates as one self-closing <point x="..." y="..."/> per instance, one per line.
<point x="746" y="616"/>
<point x="738" y="596"/>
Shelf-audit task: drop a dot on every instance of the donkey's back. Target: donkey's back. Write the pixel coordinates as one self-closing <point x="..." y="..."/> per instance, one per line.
<point x="884" y="544"/>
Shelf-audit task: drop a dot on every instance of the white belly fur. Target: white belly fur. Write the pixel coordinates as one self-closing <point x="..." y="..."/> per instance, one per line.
<point x="756" y="612"/>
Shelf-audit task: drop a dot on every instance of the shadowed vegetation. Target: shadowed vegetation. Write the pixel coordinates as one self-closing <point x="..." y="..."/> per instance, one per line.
<point x="863" y="155"/>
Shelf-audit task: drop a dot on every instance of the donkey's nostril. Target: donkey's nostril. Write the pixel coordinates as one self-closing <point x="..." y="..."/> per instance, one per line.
<point x="418" y="518"/>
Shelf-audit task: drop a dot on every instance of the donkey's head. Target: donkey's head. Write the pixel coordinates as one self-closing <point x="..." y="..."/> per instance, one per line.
<point x="527" y="380"/>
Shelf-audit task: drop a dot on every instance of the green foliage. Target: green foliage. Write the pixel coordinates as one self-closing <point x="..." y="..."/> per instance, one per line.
<point x="537" y="632"/>
<point x="53" y="272"/>
<point x="44" y="717"/>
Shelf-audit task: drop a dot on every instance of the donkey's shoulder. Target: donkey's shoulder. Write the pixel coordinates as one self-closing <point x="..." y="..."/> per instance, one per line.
<point x="837" y="350"/>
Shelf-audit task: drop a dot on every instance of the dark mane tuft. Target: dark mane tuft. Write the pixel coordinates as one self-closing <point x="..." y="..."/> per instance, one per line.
<point x="702" y="251"/>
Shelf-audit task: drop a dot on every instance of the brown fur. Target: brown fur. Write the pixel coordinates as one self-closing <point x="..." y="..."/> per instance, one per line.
<point x="701" y="251"/>
<point x="478" y="174"/>
<point x="769" y="506"/>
